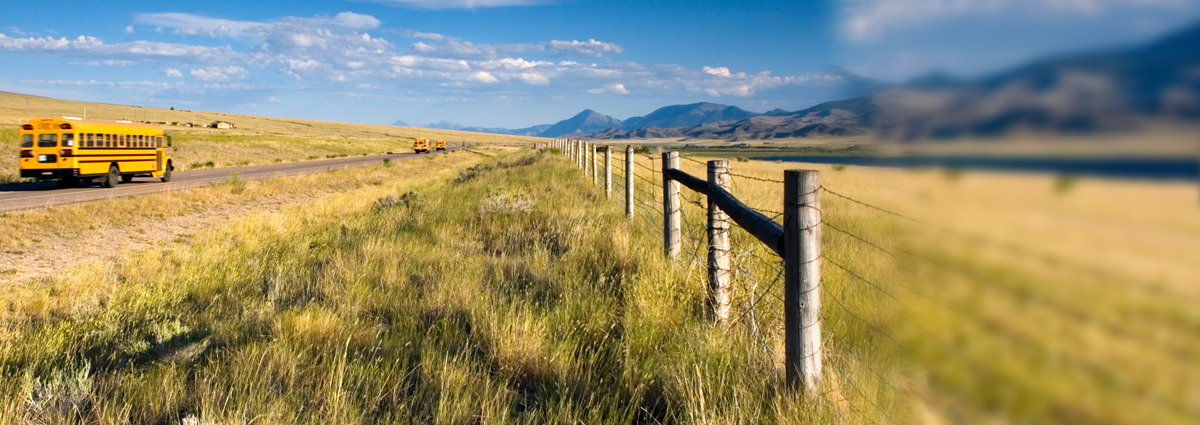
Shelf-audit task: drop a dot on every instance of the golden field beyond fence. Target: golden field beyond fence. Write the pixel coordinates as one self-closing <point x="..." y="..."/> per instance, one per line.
<point x="952" y="297"/>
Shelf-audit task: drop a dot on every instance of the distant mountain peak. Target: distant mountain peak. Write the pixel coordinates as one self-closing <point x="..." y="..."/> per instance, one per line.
<point x="588" y="121"/>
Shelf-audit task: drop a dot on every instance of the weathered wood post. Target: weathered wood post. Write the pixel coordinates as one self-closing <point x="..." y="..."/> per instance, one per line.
<point x="802" y="277"/>
<point x="608" y="172"/>
<point x="720" y="292"/>
<point x="672" y="214"/>
<point x="579" y="153"/>
<point x="629" y="181"/>
<point x="592" y="161"/>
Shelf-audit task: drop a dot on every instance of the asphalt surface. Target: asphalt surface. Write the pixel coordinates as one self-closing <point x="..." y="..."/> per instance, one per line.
<point x="25" y="196"/>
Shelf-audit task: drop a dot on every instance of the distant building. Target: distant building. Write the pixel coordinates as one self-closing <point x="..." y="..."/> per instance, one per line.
<point x="224" y="125"/>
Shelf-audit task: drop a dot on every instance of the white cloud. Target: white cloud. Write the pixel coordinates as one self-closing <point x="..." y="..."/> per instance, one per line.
<point x="418" y="34"/>
<point x="85" y="46"/>
<point x="483" y="77"/>
<point x="589" y="49"/>
<point x="129" y="29"/>
<point x="720" y="71"/>
<point x="460" y="4"/>
<point x="220" y="74"/>
<point x="616" y="88"/>
<point x="172" y="72"/>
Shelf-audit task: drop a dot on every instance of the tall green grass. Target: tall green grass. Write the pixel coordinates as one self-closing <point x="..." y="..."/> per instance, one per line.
<point x="510" y="292"/>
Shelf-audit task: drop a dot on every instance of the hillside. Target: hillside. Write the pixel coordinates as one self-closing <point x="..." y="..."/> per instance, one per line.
<point x="13" y="111"/>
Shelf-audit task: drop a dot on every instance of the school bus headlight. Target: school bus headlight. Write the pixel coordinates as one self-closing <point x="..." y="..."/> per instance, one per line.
<point x="25" y="153"/>
<point x="65" y="153"/>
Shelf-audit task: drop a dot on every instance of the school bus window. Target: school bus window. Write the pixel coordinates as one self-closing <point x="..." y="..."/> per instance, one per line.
<point x="108" y="141"/>
<point x="138" y="141"/>
<point x="27" y="140"/>
<point x="122" y="141"/>
<point x="88" y="140"/>
<point x="47" y="140"/>
<point x="68" y="139"/>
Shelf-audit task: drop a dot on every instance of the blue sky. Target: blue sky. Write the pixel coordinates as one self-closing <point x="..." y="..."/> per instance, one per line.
<point x="515" y="63"/>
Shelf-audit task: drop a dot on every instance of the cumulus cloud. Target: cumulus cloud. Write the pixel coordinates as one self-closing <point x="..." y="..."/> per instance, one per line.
<point x="218" y="74"/>
<point x="172" y="72"/>
<point x="129" y="29"/>
<point x="719" y="71"/>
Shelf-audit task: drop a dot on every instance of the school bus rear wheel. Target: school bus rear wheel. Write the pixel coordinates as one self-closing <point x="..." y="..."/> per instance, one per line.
<point x="126" y="178"/>
<point x="113" y="178"/>
<point x="166" y="177"/>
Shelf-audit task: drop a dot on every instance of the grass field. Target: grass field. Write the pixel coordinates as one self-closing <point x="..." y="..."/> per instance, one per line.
<point x="508" y="292"/>
<point x="513" y="291"/>
<point x="257" y="140"/>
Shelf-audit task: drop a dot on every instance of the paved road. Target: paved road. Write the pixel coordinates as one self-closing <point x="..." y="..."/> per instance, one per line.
<point x="24" y="196"/>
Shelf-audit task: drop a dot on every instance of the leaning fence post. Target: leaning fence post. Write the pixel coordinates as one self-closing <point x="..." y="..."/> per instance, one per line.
<point x="672" y="214"/>
<point x="629" y="181"/>
<point x="802" y="277"/>
<point x="719" y="286"/>
<point x="608" y="172"/>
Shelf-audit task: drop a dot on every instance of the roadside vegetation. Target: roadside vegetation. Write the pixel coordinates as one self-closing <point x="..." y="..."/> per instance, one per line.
<point x="510" y="292"/>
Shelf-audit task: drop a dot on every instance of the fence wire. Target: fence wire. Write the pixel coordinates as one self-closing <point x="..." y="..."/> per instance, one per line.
<point x="864" y="329"/>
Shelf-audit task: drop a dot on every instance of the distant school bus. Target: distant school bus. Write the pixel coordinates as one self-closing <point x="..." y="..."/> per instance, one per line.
<point x="441" y="145"/>
<point x="421" y="145"/>
<point x="70" y="150"/>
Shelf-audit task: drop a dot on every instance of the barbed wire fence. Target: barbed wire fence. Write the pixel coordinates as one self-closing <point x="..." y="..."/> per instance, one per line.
<point x="855" y="302"/>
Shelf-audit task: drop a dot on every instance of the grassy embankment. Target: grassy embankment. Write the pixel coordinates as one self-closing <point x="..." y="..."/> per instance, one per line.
<point x="512" y="292"/>
<point x="26" y="237"/>
<point x="257" y="140"/>
<point x="1048" y="302"/>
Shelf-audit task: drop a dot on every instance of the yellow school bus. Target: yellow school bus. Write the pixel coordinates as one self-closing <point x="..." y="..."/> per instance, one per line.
<point x="441" y="145"/>
<point x="71" y="150"/>
<point x="421" y="145"/>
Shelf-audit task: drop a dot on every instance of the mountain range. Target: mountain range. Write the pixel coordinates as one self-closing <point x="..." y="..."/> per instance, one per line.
<point x="590" y="121"/>
<point x="1104" y="91"/>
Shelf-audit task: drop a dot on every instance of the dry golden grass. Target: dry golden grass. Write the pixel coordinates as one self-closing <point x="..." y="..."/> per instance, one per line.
<point x="1048" y="300"/>
<point x="514" y="293"/>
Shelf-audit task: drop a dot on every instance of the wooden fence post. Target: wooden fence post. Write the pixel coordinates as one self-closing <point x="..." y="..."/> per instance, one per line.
<point x="720" y="291"/>
<point x="629" y="181"/>
<point x="592" y="163"/>
<point x="802" y="277"/>
<point x="608" y="172"/>
<point x="672" y="214"/>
